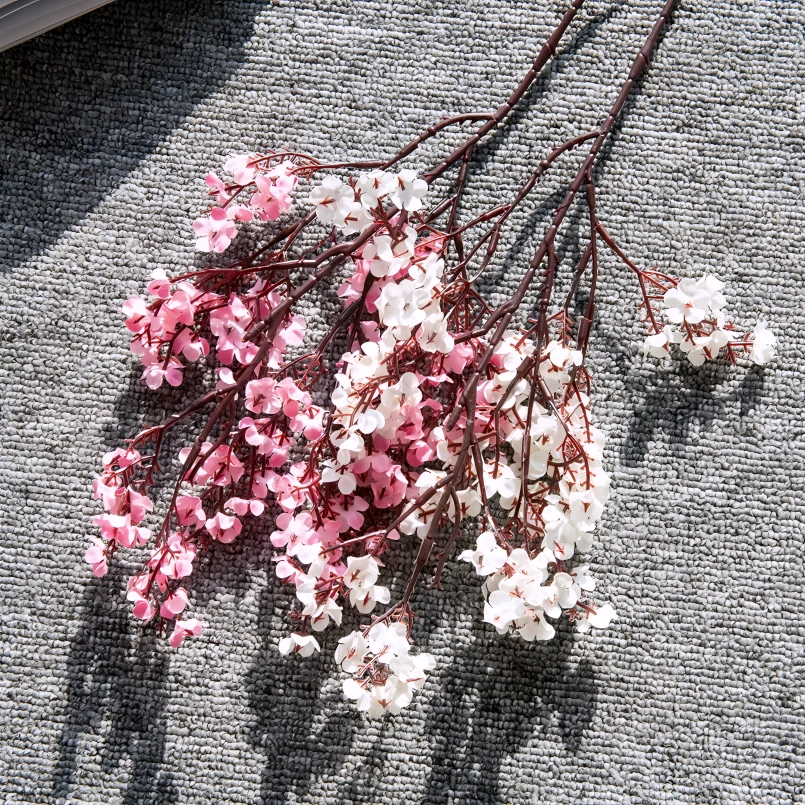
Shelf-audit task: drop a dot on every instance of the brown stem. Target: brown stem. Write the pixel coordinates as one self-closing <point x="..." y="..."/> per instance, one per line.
<point x="548" y="50"/>
<point x="503" y="314"/>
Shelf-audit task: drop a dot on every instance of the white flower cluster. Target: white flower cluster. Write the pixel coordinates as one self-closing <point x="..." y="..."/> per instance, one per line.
<point x="519" y="596"/>
<point x="362" y="573"/>
<point x="402" y="305"/>
<point x="571" y="514"/>
<point x="699" y="327"/>
<point x="383" y="674"/>
<point x="415" y="301"/>
<point x="349" y="206"/>
<point x="520" y="593"/>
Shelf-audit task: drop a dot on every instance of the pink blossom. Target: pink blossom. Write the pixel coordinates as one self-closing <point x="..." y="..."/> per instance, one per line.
<point x="285" y="570"/>
<point x="125" y="458"/>
<point x="260" y="483"/>
<point x="229" y="325"/>
<point x="458" y="358"/>
<point x="327" y="533"/>
<point x="156" y="370"/>
<point x="390" y="487"/>
<point x="374" y="293"/>
<point x="292" y="334"/>
<point x="222" y="467"/>
<point x="349" y="510"/>
<point x="242" y="168"/>
<point x="273" y="196"/>
<point x="118" y="528"/>
<point x="224" y="527"/>
<point x="138" y="505"/>
<point x="174" y="560"/>
<point x="291" y="396"/>
<point x="187" y="628"/>
<point x="371" y="331"/>
<point x="190" y="345"/>
<point x="352" y="290"/>
<point x="214" y="233"/>
<point x="180" y="555"/>
<point x="179" y="308"/>
<point x="310" y="422"/>
<point x="293" y="530"/>
<point x="160" y="285"/>
<point x="262" y="396"/>
<point x="276" y="445"/>
<point x="240" y="212"/>
<point x="190" y="512"/>
<point x="240" y="506"/>
<point x="96" y="556"/>
<point x="218" y="188"/>
<point x="225" y="379"/>
<point x="174" y="604"/>
<point x="138" y="317"/>
<point x="143" y="609"/>
<point x="237" y="506"/>
<point x="114" y="497"/>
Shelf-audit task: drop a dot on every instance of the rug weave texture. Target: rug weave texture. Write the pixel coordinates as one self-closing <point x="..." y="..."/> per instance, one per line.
<point x="107" y="128"/>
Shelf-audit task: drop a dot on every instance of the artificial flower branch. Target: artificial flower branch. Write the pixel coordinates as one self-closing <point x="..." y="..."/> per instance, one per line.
<point x="439" y="411"/>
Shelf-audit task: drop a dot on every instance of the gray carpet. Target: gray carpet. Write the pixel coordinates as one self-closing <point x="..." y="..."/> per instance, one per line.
<point x="695" y="695"/>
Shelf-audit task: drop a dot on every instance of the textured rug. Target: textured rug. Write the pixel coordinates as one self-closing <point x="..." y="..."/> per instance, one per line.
<point x="107" y="127"/>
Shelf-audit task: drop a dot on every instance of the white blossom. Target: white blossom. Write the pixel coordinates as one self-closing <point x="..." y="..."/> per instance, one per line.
<point x="690" y="301"/>
<point x="383" y="672"/>
<point x="658" y="345"/>
<point x="365" y="598"/>
<point x="362" y="571"/>
<point x="603" y="616"/>
<point x="302" y="644"/>
<point x="351" y="652"/>
<point x="763" y="342"/>
<point x="488" y="557"/>
<point x="374" y="186"/>
<point x="409" y="191"/>
<point x="333" y="201"/>
<point x="356" y="218"/>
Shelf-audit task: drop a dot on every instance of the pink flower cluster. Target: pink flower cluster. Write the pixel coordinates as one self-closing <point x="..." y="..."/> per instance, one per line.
<point x="167" y="329"/>
<point x="269" y="184"/>
<point x="181" y="320"/>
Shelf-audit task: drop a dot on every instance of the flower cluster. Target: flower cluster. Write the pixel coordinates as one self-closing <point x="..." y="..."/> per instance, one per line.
<point x="698" y="325"/>
<point x="520" y="596"/>
<point x="269" y="183"/>
<point x="167" y="328"/>
<point x="440" y="409"/>
<point x="181" y="319"/>
<point x="353" y="206"/>
<point x="383" y="674"/>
